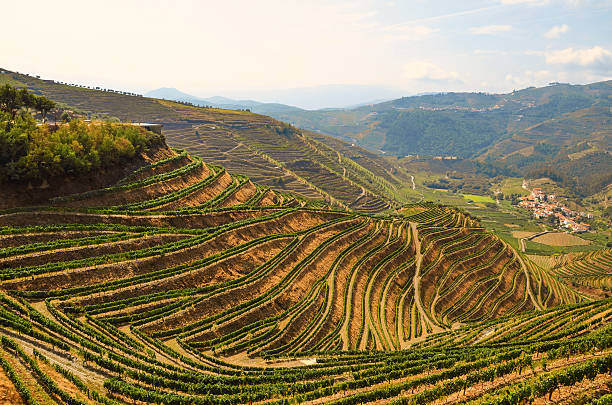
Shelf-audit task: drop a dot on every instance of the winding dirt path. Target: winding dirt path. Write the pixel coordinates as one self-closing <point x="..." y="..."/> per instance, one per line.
<point x="425" y="319"/>
<point x="527" y="276"/>
<point x="234" y="148"/>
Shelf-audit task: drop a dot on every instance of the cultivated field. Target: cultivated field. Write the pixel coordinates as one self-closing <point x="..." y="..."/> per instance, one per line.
<point x="184" y="284"/>
<point x="256" y="271"/>
<point x="270" y="152"/>
<point x="522" y="234"/>
<point x="560" y="239"/>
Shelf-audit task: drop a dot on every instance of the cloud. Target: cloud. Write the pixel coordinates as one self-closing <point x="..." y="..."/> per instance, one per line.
<point x="556" y="31"/>
<point x="527" y="2"/>
<point x="568" y="3"/>
<point x="596" y="58"/>
<point x="457" y="14"/>
<point x="581" y="3"/>
<point x="490" y="29"/>
<point x="534" y="52"/>
<point x="428" y="71"/>
<point x="408" y="32"/>
<point x="531" y="78"/>
<point x="513" y="79"/>
<point x="495" y="52"/>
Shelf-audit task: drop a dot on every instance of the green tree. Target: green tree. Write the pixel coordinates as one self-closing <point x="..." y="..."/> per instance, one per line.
<point x="9" y="100"/>
<point x="12" y="100"/>
<point x="44" y="105"/>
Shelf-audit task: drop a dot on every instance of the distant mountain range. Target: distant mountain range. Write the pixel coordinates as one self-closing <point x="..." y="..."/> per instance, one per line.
<point x="168" y="93"/>
<point x="327" y="97"/>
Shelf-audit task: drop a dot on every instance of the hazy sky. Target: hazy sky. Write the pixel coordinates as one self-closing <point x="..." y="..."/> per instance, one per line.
<point x="239" y="48"/>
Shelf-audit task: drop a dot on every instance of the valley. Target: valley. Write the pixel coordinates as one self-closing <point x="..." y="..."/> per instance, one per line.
<point x="251" y="261"/>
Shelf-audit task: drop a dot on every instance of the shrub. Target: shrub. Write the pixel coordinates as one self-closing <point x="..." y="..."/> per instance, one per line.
<point x="29" y="152"/>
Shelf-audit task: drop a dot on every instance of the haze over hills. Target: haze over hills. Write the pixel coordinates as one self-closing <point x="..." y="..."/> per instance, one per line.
<point x="306" y="98"/>
<point x="167" y="93"/>
<point x="373" y="124"/>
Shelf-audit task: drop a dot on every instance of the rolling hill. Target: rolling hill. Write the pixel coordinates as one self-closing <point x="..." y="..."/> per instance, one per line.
<point x="160" y="277"/>
<point x="561" y="126"/>
<point x="455" y="117"/>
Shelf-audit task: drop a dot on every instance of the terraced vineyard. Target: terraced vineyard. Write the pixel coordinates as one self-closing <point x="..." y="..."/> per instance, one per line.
<point x="590" y="269"/>
<point x="185" y="284"/>
<point x="271" y="153"/>
<point x="284" y="158"/>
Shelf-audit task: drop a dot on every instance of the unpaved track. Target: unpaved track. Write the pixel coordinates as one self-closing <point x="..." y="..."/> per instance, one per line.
<point x="417" y="283"/>
<point x="528" y="276"/>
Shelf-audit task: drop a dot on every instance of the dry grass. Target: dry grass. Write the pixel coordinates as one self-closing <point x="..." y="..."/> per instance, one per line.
<point x="522" y="234"/>
<point x="560" y="239"/>
<point x="8" y="392"/>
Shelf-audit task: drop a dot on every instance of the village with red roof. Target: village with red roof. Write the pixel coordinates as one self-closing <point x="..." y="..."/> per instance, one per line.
<point x="545" y="206"/>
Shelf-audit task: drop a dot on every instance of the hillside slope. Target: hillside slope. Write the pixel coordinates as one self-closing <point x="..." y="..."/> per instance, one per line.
<point x="283" y="266"/>
<point x="182" y="283"/>
<point x="561" y="126"/>
<point x="464" y="124"/>
<point x="269" y="151"/>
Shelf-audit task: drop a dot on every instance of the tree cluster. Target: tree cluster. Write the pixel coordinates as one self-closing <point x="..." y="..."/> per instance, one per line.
<point x="12" y="100"/>
<point x="34" y="152"/>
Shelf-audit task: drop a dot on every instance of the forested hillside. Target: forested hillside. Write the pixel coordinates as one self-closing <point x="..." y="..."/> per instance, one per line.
<point x="561" y="126"/>
<point x="454" y="117"/>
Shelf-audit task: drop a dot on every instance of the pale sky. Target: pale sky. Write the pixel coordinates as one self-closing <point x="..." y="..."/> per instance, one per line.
<point x="240" y="48"/>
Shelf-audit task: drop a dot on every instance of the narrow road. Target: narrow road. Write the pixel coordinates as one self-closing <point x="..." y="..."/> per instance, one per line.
<point x="340" y="162"/>
<point x="414" y="188"/>
<point x="234" y="148"/>
<point x="535" y="235"/>
<point x="363" y="192"/>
